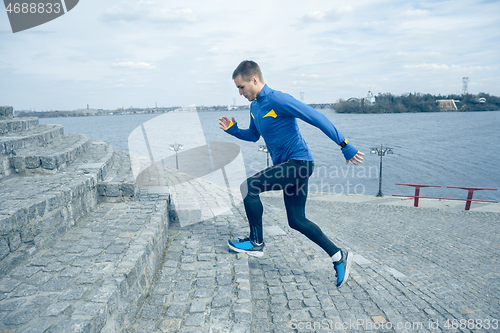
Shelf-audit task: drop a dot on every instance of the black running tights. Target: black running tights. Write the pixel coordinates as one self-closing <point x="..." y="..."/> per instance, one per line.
<point x="291" y="177"/>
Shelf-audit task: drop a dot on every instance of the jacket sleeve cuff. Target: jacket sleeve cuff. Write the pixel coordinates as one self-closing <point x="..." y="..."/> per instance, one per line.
<point x="349" y="151"/>
<point x="232" y="128"/>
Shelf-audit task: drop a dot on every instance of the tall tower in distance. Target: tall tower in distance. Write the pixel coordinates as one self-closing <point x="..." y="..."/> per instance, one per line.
<point x="302" y="96"/>
<point x="465" y="82"/>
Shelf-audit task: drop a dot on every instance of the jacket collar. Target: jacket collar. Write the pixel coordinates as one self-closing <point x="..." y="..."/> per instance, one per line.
<point x="263" y="93"/>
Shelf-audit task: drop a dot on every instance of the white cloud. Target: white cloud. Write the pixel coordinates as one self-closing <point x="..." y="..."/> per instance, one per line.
<point x="123" y="85"/>
<point x="449" y="67"/>
<point x="416" y="12"/>
<point x="317" y="15"/>
<point x="133" y="65"/>
<point x="308" y="76"/>
<point x="327" y="15"/>
<point x="149" y="11"/>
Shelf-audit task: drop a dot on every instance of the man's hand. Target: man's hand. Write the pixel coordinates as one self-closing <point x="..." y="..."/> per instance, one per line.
<point x="224" y="122"/>
<point x="357" y="159"/>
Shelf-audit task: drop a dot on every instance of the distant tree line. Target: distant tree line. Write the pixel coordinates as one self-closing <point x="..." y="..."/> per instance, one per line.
<point x="90" y="112"/>
<point x="388" y="103"/>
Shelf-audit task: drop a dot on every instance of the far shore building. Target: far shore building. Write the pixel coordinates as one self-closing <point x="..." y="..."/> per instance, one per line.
<point x="447" y="104"/>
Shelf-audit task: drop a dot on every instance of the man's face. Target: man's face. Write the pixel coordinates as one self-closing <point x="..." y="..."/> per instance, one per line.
<point x="249" y="89"/>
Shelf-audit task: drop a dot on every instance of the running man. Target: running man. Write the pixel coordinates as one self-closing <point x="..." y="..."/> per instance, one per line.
<point x="273" y="116"/>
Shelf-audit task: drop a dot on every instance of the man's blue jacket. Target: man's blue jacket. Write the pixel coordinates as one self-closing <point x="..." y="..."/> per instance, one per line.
<point x="273" y="115"/>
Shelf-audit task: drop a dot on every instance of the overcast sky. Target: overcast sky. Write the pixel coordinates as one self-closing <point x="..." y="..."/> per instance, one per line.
<point x="117" y="53"/>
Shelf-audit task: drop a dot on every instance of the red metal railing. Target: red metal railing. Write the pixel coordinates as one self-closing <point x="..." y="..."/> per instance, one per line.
<point x="468" y="200"/>
<point x="471" y="191"/>
<point x="417" y="192"/>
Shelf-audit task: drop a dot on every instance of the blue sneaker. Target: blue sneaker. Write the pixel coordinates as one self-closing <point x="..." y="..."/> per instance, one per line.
<point x="247" y="246"/>
<point x="342" y="268"/>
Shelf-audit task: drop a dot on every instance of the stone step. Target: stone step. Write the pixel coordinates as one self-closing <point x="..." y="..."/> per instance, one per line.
<point x="6" y="112"/>
<point x="99" y="158"/>
<point x="35" y="209"/>
<point x="94" y="277"/>
<point x="40" y="135"/>
<point x="17" y="125"/>
<point x="51" y="158"/>
<point x="17" y="139"/>
<point x="119" y="183"/>
<point x="116" y="179"/>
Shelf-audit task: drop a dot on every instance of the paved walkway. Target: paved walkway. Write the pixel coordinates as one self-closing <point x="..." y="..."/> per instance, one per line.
<point x="202" y="286"/>
<point x="416" y="270"/>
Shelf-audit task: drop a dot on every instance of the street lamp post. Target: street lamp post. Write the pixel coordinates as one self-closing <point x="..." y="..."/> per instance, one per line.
<point x="381" y="152"/>
<point x="176" y="147"/>
<point x="263" y="148"/>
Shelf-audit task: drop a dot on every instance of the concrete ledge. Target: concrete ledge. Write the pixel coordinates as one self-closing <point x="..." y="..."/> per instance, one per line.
<point x="116" y="181"/>
<point x="5" y="169"/>
<point x="39" y="136"/>
<point x="22" y="134"/>
<point x="119" y="183"/>
<point x="100" y="159"/>
<point x="95" y="276"/>
<point x="17" y="125"/>
<point x="36" y="209"/>
<point x="6" y="112"/>
<point x="52" y="158"/>
<point x="30" y="222"/>
<point x="117" y="192"/>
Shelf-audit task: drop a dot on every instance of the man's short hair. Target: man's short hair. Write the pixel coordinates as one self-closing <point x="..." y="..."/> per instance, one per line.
<point x="248" y="69"/>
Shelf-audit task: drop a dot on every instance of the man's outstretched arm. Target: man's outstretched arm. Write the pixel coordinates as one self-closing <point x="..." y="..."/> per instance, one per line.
<point x="295" y="108"/>
<point x="230" y="127"/>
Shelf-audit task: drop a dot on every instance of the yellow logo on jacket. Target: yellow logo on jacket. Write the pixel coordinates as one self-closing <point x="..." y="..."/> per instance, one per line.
<point x="270" y="114"/>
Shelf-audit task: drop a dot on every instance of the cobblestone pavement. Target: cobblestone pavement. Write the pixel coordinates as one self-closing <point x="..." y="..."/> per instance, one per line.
<point x="202" y="287"/>
<point x="416" y="270"/>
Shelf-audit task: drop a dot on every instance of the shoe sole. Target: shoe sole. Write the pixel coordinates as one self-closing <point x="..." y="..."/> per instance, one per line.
<point x="347" y="268"/>
<point x="250" y="253"/>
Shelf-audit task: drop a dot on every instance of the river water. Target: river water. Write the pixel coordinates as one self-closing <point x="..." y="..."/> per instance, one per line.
<point x="445" y="148"/>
